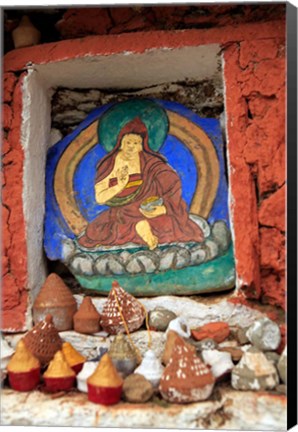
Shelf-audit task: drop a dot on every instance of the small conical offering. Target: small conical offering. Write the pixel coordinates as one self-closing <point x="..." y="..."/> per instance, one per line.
<point x="172" y="337"/>
<point x="43" y="340"/>
<point x="86" y="319"/>
<point x="121" y="306"/>
<point x="56" y="299"/>
<point x="123" y="355"/>
<point x="186" y="378"/>
<point x="59" y="375"/>
<point x="73" y="357"/>
<point x="23" y="369"/>
<point x="25" y="34"/>
<point x="105" y="384"/>
<point x="150" y="368"/>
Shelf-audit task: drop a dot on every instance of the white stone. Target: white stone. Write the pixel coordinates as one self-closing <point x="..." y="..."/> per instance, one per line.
<point x="220" y="361"/>
<point x="180" y="326"/>
<point x="264" y="334"/>
<point x="88" y="369"/>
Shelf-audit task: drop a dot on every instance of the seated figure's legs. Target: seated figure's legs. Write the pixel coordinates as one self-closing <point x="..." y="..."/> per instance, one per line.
<point x="144" y="231"/>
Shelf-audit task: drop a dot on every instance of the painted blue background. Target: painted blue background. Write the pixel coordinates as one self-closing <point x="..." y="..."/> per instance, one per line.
<point x="177" y="155"/>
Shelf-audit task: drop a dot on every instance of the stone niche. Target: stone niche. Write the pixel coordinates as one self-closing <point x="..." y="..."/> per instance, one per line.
<point x="158" y="71"/>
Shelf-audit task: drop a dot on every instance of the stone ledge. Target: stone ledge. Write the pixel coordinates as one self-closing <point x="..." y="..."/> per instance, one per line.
<point x="228" y="409"/>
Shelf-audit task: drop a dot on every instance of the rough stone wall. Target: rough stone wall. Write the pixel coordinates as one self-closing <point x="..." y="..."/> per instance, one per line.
<point x="71" y="106"/>
<point x="14" y="253"/>
<point x="254" y="77"/>
<point x="255" y="107"/>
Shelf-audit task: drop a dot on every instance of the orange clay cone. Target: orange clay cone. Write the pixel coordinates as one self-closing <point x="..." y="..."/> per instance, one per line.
<point x="105" y="384"/>
<point x="23" y="369"/>
<point x="172" y="338"/>
<point x="186" y="378"/>
<point x="73" y="357"/>
<point x="86" y="319"/>
<point x="59" y="375"/>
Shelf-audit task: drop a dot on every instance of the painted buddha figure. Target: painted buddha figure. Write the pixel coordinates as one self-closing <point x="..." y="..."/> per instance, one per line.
<point x="144" y="196"/>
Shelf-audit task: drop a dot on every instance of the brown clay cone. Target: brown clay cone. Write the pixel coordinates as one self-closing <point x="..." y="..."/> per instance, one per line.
<point x="43" y="340"/>
<point x="132" y="311"/>
<point x="86" y="319"/>
<point x="172" y="338"/>
<point x="55" y="298"/>
<point x="185" y="378"/>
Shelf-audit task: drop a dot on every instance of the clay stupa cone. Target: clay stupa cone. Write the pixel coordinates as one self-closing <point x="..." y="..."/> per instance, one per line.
<point x="43" y="340"/>
<point x="23" y="369"/>
<point x="73" y="357"/>
<point x="105" y="384"/>
<point x="131" y="309"/>
<point x="55" y="298"/>
<point x="186" y="378"/>
<point x="59" y="375"/>
<point x="172" y="337"/>
<point x="86" y="319"/>
<point x="123" y="355"/>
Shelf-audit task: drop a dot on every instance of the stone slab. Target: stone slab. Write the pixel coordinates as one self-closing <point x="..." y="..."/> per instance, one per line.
<point x="227" y="409"/>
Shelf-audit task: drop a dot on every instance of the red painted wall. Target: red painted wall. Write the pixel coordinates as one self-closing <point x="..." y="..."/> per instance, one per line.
<point x="254" y="73"/>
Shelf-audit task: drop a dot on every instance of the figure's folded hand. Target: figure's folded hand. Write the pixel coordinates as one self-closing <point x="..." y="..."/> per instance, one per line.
<point x="154" y="212"/>
<point x="122" y="176"/>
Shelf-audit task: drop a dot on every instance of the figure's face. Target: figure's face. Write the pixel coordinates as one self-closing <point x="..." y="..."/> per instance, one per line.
<point x="131" y="145"/>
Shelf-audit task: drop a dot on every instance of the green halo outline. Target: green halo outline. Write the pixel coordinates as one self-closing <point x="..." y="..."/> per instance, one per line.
<point x="115" y="118"/>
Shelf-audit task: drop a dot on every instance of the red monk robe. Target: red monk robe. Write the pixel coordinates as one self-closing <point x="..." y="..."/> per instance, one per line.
<point x="117" y="225"/>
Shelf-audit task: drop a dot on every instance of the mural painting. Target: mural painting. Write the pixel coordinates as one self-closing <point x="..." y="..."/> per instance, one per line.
<point x="138" y="193"/>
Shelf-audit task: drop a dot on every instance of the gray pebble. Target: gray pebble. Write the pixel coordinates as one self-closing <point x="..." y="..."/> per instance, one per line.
<point x="159" y="318"/>
<point x="206" y="344"/>
<point x="264" y="334"/>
